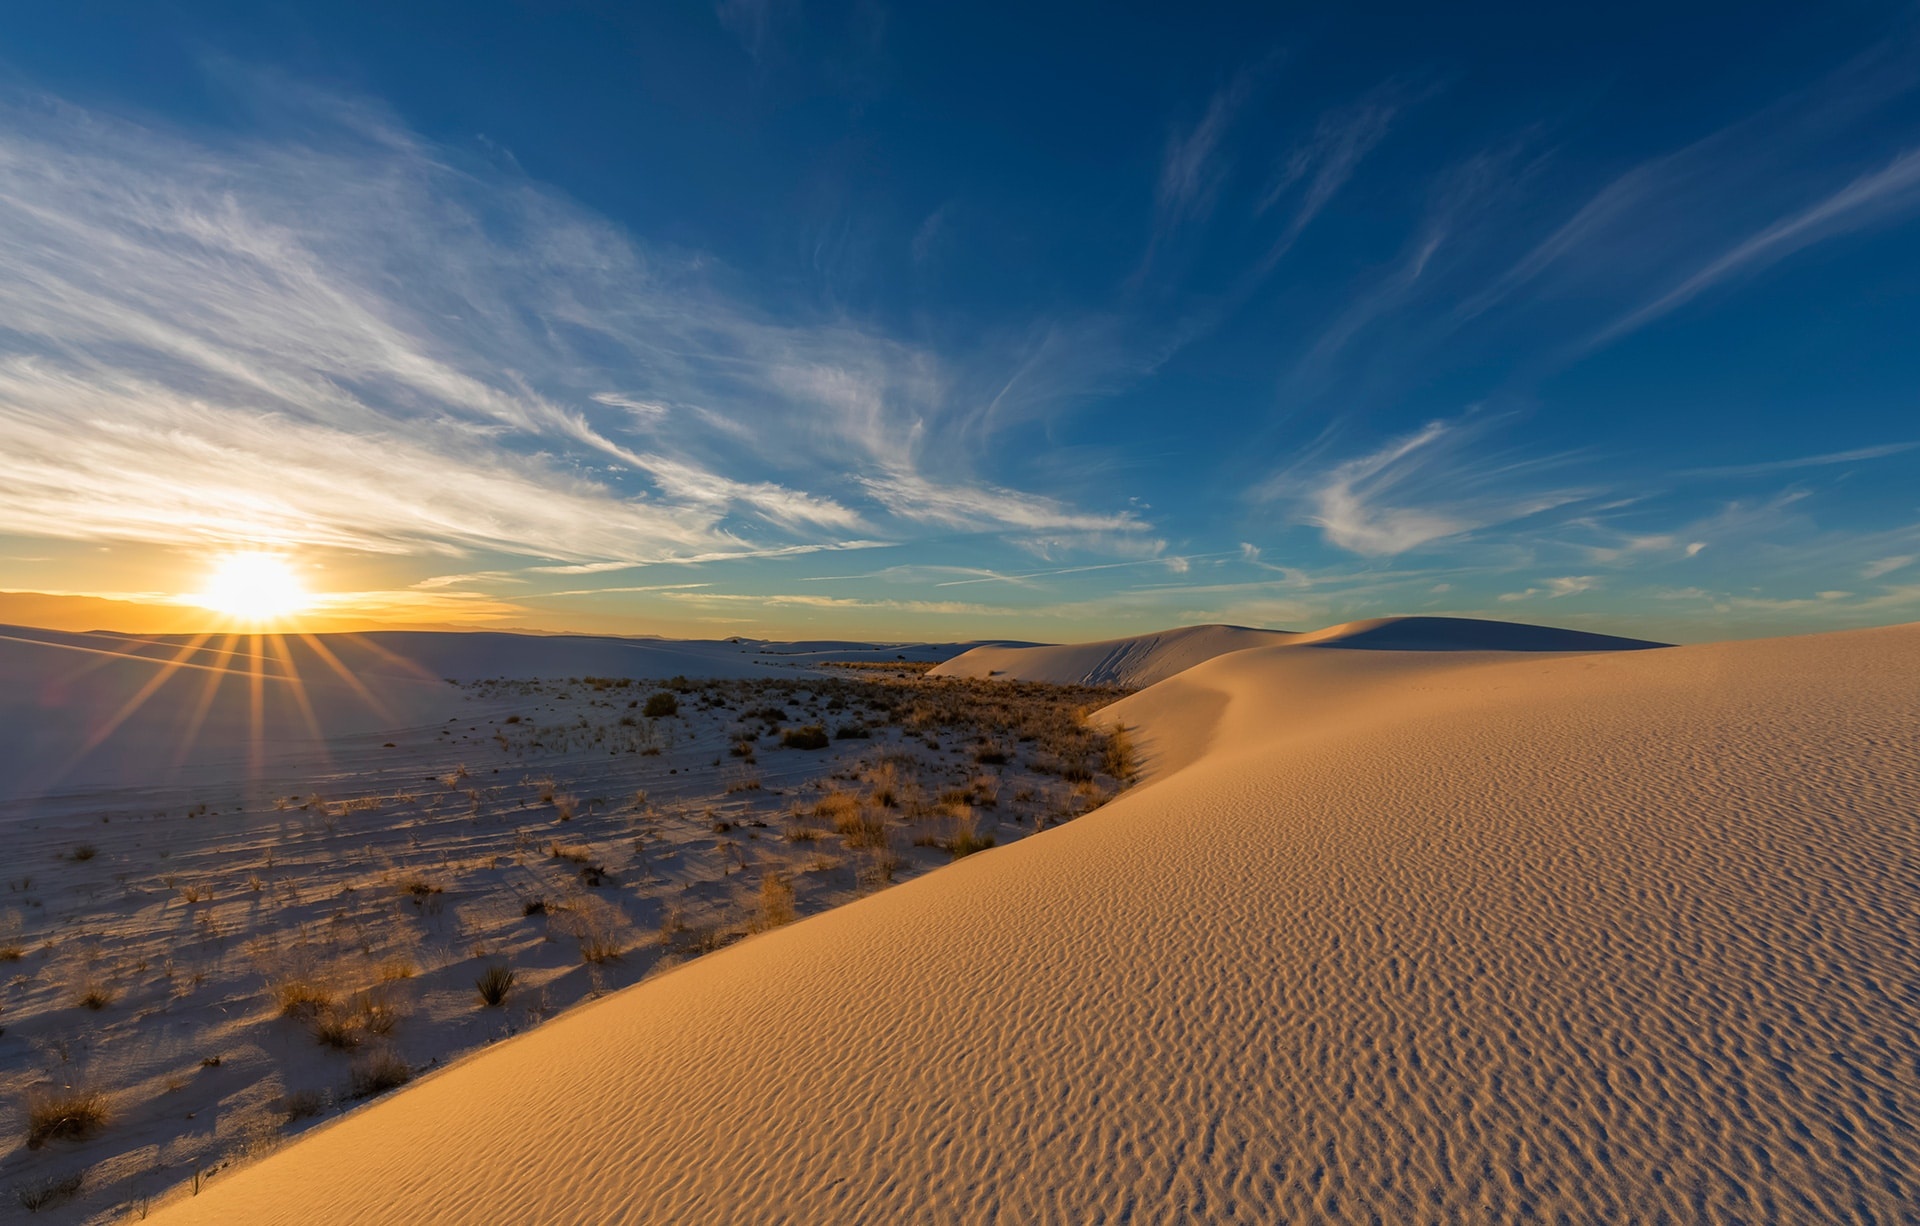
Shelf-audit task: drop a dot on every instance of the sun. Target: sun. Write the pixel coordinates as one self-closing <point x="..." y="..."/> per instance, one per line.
<point x="254" y="587"/>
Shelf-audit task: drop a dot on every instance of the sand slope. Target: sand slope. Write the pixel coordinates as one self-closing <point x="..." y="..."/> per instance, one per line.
<point x="1410" y="936"/>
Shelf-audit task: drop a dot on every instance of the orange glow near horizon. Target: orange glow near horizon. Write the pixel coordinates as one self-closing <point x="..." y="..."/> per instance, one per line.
<point x="256" y="589"/>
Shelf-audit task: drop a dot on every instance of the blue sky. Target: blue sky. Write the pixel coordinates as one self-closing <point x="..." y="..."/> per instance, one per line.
<point x="788" y="319"/>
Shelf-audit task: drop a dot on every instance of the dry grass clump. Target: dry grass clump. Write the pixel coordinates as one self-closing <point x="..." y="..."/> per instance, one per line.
<point x="601" y="929"/>
<point x="301" y="995"/>
<point x="64" y="1114"/>
<point x="965" y="841"/>
<point x="95" y="996"/>
<point x="378" y="1072"/>
<point x="776" y="902"/>
<point x="1118" y="758"/>
<point x="812" y="736"/>
<point x="393" y="969"/>
<point x="344" y="1027"/>
<point x="836" y="806"/>
<point x="299" y="1105"/>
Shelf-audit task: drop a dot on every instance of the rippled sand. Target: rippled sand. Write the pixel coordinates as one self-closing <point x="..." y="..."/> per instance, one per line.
<point x="1387" y="935"/>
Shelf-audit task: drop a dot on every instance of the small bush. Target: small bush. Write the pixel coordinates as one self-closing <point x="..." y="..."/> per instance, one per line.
<point x="776" y="902"/>
<point x="533" y="906"/>
<point x="1118" y="758"/>
<point x="96" y="997"/>
<point x="84" y="852"/>
<point x="340" y="1029"/>
<point x="660" y="704"/>
<point x="852" y="732"/>
<point x="601" y="929"/>
<point x="965" y="842"/>
<point x="302" y="1104"/>
<point x="494" y="984"/>
<point x="813" y="736"/>
<point x="36" y="1196"/>
<point x="64" y="1115"/>
<point x="378" y="1072"/>
<point x="301" y="996"/>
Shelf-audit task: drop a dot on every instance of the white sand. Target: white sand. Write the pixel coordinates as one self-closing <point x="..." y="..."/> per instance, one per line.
<point x="87" y="711"/>
<point x="1387" y="935"/>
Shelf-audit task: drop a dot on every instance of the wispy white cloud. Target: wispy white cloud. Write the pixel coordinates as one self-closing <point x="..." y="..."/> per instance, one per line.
<point x="1417" y="489"/>
<point x="1882" y="567"/>
<point x="1856" y="455"/>
<point x="1555" y="589"/>
<point x="1870" y="199"/>
<point x="354" y="339"/>
<point x="1315" y="171"/>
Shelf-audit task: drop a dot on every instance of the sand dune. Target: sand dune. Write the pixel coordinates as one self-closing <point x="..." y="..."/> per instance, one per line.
<point x="1145" y="659"/>
<point x="1387" y="935"/>
<point x="1135" y="662"/>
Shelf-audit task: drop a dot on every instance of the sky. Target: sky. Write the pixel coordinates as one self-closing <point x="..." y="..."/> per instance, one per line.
<point x="785" y="319"/>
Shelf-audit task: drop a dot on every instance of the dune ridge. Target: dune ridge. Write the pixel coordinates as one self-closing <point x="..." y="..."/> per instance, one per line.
<point x="1447" y="936"/>
<point x="1142" y="660"/>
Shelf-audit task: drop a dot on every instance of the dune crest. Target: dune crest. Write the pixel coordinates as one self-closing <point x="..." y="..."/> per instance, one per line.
<point x="1145" y="659"/>
<point x="1134" y="662"/>
<point x="1412" y="935"/>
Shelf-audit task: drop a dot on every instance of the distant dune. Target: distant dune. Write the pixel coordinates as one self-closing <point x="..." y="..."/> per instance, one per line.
<point x="1144" y="659"/>
<point x="1386" y="935"/>
<point x="1135" y="662"/>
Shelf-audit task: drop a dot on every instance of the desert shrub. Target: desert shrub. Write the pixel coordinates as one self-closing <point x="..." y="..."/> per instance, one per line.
<point x="600" y="928"/>
<point x="340" y="1029"/>
<point x="812" y="736"/>
<point x="852" y="732"/>
<point x="378" y="1072"/>
<point x="84" y="852"/>
<point x="1117" y="757"/>
<point x="966" y="841"/>
<point x="395" y="968"/>
<point x="884" y="786"/>
<point x="533" y="906"/>
<point x="302" y="1104"/>
<point x="34" y="1197"/>
<point x="344" y="1027"/>
<point x="301" y="995"/>
<point x="66" y="1114"/>
<point x="992" y="755"/>
<point x="864" y="828"/>
<point x="776" y="902"/>
<point x="95" y="996"/>
<point x="661" y="703"/>
<point x="493" y="985"/>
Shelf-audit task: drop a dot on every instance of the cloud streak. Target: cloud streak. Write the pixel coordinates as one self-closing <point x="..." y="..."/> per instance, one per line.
<point x="356" y="340"/>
